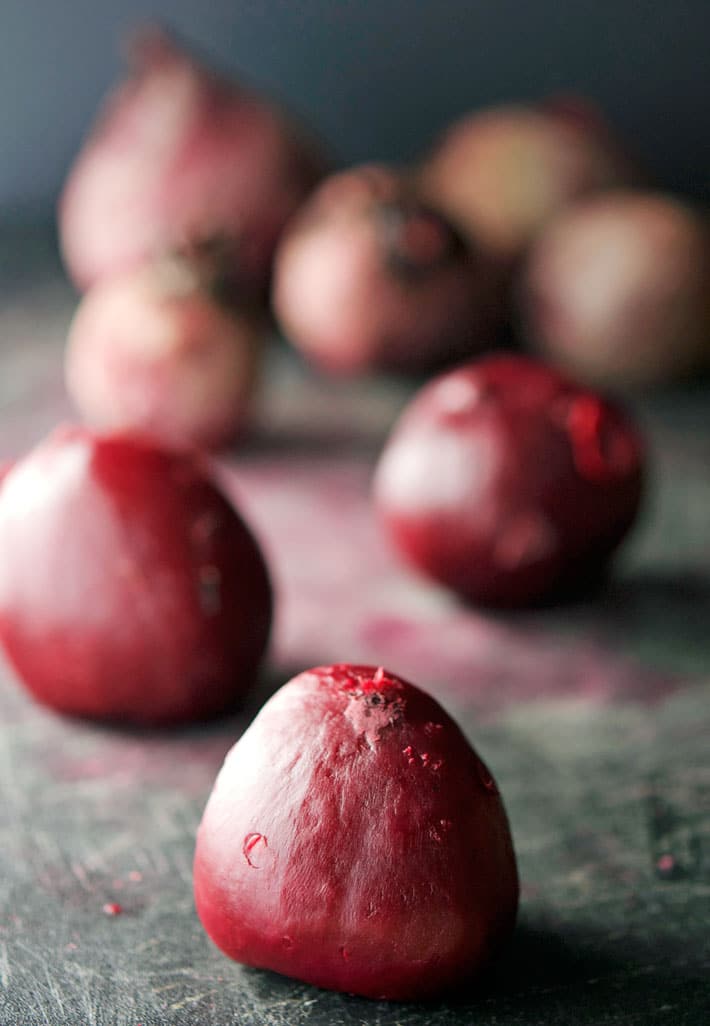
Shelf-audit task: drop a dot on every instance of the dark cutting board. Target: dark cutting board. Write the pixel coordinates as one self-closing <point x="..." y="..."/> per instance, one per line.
<point x="595" y="718"/>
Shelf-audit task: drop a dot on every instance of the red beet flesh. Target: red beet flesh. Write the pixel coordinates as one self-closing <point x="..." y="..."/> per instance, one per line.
<point x="508" y="482"/>
<point x="356" y="841"/>
<point x="368" y="277"/>
<point x="129" y="588"/>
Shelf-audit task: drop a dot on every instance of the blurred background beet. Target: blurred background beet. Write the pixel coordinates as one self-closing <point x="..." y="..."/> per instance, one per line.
<point x="379" y="79"/>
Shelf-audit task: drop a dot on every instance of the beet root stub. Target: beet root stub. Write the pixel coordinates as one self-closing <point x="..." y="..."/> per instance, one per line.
<point x="508" y="482"/>
<point x="355" y="840"/>
<point x="130" y="590"/>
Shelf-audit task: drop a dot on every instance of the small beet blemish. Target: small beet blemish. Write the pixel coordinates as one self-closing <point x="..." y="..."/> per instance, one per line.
<point x="253" y="844"/>
<point x="487" y="780"/>
<point x="210" y="581"/>
<point x="432" y="729"/>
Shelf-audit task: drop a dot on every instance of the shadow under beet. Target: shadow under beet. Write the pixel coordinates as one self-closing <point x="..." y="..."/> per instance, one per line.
<point x="303" y="442"/>
<point x="545" y="979"/>
<point x="582" y="978"/>
<point x="658" y="617"/>
<point x="662" y="616"/>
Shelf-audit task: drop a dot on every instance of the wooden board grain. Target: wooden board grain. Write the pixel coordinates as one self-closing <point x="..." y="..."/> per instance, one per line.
<point x="594" y="717"/>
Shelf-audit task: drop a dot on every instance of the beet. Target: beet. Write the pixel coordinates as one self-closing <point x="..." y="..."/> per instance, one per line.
<point x="508" y="482"/>
<point x="356" y="841"/>
<point x="166" y="351"/>
<point x="129" y="588"/>
<point x="617" y="290"/>
<point x="369" y="277"/>
<point x="502" y="172"/>
<point x="180" y="154"/>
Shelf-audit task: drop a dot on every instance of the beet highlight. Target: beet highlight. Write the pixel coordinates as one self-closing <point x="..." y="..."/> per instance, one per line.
<point x="356" y="841"/>
<point x="179" y="154"/>
<point x="501" y="173"/>
<point x="166" y="351"/>
<point x="508" y="482"/>
<point x="130" y="590"/>
<point x="617" y="290"/>
<point x="369" y="277"/>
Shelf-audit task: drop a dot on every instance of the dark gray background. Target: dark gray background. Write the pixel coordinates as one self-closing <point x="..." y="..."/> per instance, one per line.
<point x="378" y="78"/>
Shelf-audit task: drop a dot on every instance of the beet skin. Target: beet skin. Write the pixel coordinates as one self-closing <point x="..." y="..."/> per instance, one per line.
<point x="354" y="840"/>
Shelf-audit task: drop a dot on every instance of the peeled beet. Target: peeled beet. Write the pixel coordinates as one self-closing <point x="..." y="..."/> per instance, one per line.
<point x="356" y="841"/>
<point x="129" y="588"/>
<point x="369" y="277"/>
<point x="180" y="154"/>
<point x="160" y="351"/>
<point x="617" y="290"/>
<point x="501" y="173"/>
<point x="508" y="482"/>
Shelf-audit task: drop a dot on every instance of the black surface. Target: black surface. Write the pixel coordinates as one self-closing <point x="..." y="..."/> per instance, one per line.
<point x="594" y="717"/>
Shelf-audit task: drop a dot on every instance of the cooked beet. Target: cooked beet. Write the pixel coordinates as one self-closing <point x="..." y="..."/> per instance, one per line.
<point x="508" y="482"/>
<point x="129" y="588"/>
<point x="356" y="841"/>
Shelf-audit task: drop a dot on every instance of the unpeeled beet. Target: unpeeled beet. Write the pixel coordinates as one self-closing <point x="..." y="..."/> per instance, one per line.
<point x="356" y="841"/>
<point x="617" y="290"/>
<point x="179" y="154"/>
<point x="502" y="173"/>
<point x="368" y="277"/>
<point x="167" y="351"/>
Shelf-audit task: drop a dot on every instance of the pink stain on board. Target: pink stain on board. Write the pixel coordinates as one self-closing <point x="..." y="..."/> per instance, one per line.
<point x="344" y="596"/>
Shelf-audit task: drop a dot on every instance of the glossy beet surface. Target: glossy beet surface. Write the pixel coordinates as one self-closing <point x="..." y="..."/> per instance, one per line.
<point x="129" y="588"/>
<point x="356" y="841"/>
<point x="508" y="482"/>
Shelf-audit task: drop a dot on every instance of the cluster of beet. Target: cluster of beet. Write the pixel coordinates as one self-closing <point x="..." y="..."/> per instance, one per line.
<point x="353" y="839"/>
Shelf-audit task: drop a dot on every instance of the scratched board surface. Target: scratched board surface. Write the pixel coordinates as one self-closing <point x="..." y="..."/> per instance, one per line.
<point x="595" y="718"/>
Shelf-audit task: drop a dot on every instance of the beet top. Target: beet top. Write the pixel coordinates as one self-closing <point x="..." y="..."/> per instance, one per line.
<point x="356" y="841"/>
